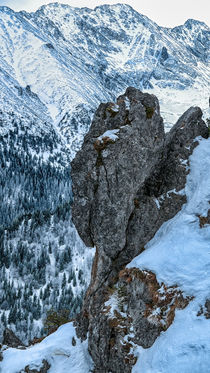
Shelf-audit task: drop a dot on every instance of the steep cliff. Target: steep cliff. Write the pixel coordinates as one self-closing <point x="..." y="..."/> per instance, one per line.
<point x="128" y="179"/>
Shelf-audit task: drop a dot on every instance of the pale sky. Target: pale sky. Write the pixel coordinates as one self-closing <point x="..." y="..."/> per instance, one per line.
<point x="167" y="13"/>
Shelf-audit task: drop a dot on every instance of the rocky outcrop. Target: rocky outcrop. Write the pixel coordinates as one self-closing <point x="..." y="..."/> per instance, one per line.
<point x="43" y="369"/>
<point x="134" y="311"/>
<point x="128" y="179"/>
<point x="11" y="340"/>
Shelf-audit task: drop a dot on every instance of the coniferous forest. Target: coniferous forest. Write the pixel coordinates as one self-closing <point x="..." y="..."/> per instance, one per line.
<point x="43" y="263"/>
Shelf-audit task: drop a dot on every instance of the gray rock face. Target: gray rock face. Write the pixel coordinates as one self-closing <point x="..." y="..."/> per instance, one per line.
<point x="107" y="181"/>
<point x="126" y="184"/>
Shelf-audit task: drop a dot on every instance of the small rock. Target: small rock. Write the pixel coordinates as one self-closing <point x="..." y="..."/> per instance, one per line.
<point x="207" y="305"/>
<point x="73" y="341"/>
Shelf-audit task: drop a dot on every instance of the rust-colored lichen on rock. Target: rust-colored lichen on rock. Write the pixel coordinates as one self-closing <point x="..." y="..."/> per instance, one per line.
<point x="155" y="313"/>
<point x="163" y="300"/>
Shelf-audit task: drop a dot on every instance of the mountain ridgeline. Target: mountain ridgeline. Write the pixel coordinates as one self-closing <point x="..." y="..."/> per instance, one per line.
<point x="56" y="66"/>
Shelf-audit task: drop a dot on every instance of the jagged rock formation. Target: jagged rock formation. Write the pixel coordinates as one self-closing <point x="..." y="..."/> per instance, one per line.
<point x="128" y="179"/>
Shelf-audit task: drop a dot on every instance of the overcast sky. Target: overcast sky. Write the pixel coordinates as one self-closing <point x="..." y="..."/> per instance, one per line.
<point x="165" y="12"/>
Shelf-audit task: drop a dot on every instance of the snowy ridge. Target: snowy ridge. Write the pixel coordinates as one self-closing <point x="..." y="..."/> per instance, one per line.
<point x="179" y="254"/>
<point x="57" y="349"/>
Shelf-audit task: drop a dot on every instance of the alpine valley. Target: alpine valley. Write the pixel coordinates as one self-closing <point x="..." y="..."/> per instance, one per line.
<point x="57" y="66"/>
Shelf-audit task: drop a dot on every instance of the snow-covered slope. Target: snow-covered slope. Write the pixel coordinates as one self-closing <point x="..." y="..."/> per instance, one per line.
<point x="56" y="48"/>
<point x="62" y="350"/>
<point x="179" y="254"/>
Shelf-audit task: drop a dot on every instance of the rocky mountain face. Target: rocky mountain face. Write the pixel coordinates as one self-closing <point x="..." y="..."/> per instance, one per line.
<point x="45" y="112"/>
<point x="128" y="179"/>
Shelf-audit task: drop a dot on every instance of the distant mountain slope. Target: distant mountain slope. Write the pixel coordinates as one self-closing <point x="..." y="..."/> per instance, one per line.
<point x="56" y="66"/>
<point x="107" y="49"/>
